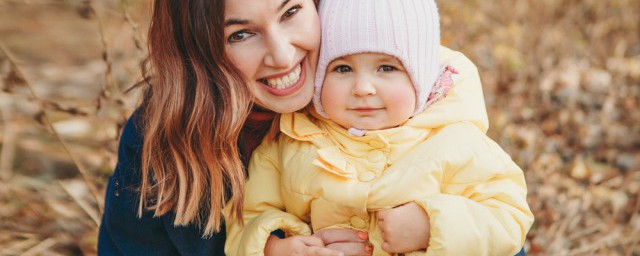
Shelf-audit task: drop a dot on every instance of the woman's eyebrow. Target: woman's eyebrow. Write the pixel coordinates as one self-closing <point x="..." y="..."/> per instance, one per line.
<point x="283" y="4"/>
<point x="231" y="22"/>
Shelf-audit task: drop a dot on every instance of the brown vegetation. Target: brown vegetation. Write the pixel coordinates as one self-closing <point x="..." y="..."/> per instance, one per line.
<point x="561" y="79"/>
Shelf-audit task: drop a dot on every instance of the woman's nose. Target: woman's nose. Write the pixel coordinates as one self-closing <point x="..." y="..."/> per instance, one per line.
<point x="364" y="87"/>
<point x="281" y="53"/>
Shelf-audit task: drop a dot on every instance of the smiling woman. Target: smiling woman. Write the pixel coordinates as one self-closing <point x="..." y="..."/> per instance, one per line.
<point x="180" y="155"/>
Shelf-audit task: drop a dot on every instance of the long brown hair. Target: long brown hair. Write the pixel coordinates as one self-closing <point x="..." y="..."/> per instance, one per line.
<point x="192" y="114"/>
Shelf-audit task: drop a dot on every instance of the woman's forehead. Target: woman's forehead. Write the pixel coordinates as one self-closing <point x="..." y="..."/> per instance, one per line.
<point x="248" y="10"/>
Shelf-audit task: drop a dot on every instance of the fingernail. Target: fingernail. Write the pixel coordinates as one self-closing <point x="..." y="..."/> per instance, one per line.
<point x="363" y="235"/>
<point x="369" y="249"/>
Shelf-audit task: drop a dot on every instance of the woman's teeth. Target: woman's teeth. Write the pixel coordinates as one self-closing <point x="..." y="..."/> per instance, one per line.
<point x="285" y="81"/>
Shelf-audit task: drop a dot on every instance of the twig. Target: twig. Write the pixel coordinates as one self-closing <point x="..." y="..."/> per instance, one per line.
<point x="44" y="118"/>
<point x="636" y="208"/>
<point x="40" y="247"/>
<point x="608" y="241"/>
<point x="599" y="227"/>
<point x="8" y="149"/>
<point x="20" y="246"/>
<point x="632" y="249"/>
<point x="109" y="81"/>
<point x="561" y="229"/>
<point x="87" y="209"/>
<point x="134" y="26"/>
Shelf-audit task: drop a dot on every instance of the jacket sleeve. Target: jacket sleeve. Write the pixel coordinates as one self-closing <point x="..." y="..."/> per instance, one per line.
<point x="264" y="209"/>
<point x="122" y="232"/>
<point x="482" y="207"/>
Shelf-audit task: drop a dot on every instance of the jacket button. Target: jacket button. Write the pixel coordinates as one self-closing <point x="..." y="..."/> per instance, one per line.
<point x="366" y="176"/>
<point x="376" y="144"/>
<point x="375" y="156"/>
<point x="358" y="222"/>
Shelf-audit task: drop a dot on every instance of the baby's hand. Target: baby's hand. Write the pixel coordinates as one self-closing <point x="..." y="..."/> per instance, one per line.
<point x="404" y="228"/>
<point x="298" y="245"/>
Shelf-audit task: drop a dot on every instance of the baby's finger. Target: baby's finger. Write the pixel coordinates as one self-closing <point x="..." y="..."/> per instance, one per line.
<point x="387" y="247"/>
<point x="381" y="215"/>
<point x="383" y="225"/>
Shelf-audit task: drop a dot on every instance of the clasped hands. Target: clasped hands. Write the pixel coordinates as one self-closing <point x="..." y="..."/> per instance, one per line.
<point x="404" y="229"/>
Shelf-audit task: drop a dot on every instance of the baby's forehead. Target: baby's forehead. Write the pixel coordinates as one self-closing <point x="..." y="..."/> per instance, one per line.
<point x="369" y="57"/>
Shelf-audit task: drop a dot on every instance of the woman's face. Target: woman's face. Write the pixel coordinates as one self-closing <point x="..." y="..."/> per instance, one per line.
<point x="274" y="43"/>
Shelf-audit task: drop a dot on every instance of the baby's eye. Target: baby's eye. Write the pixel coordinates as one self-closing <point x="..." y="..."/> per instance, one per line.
<point x="387" y="68"/>
<point x="239" y="36"/>
<point x="342" y="69"/>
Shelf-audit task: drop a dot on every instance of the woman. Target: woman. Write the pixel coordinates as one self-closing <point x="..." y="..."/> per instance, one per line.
<point x="181" y="154"/>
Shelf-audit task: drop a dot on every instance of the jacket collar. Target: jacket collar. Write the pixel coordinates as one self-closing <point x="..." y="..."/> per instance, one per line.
<point x="298" y="125"/>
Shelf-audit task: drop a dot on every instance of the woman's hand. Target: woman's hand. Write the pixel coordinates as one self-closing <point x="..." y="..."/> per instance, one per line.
<point x="404" y="228"/>
<point x="346" y="240"/>
<point x="298" y="246"/>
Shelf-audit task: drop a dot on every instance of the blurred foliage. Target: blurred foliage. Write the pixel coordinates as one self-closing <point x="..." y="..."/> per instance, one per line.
<point x="561" y="81"/>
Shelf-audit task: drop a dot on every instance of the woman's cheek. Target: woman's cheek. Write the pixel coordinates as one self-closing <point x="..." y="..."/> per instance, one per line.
<point x="308" y="31"/>
<point x="244" y="59"/>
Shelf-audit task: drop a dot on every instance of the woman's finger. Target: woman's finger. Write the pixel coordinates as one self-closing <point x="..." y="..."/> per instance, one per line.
<point x="342" y="235"/>
<point x="321" y="251"/>
<point x="351" y="248"/>
<point x="311" y="241"/>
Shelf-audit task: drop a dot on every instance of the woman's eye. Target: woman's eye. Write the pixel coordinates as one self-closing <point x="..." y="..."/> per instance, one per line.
<point x="386" y="68"/>
<point x="289" y="13"/>
<point x="342" y="69"/>
<point x="239" y="36"/>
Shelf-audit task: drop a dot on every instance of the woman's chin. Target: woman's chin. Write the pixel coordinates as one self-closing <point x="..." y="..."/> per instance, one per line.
<point x="291" y="104"/>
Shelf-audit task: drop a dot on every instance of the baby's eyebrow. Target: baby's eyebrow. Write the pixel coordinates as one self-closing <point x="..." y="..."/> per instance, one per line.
<point x="336" y="60"/>
<point x="386" y="58"/>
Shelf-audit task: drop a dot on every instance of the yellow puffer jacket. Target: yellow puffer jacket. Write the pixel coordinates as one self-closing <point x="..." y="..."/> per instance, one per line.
<point x="316" y="176"/>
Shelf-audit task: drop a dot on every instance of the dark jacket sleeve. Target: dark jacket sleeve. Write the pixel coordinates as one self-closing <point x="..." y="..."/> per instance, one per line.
<point x="123" y="233"/>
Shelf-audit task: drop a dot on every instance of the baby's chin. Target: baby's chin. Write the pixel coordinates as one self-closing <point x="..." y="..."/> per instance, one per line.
<point x="372" y="126"/>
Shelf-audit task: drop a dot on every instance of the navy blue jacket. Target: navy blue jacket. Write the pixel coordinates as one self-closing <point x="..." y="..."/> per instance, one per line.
<point x="123" y="233"/>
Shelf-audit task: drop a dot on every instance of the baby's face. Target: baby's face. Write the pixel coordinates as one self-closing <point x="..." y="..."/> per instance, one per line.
<point x="369" y="91"/>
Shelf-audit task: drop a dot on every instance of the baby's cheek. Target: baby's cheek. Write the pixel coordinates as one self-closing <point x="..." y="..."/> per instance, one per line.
<point x="403" y="99"/>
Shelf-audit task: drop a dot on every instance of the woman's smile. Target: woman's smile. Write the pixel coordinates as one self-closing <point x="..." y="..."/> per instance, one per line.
<point x="284" y="80"/>
<point x="286" y="83"/>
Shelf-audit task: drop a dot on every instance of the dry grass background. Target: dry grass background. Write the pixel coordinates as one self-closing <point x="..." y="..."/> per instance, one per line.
<point x="561" y="79"/>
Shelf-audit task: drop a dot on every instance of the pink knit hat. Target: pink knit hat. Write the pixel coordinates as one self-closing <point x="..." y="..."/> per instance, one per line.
<point x="406" y="29"/>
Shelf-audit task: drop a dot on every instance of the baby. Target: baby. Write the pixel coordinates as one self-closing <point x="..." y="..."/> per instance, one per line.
<point x="392" y="125"/>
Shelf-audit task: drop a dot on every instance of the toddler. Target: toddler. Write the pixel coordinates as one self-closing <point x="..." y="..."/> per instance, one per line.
<point x="398" y="120"/>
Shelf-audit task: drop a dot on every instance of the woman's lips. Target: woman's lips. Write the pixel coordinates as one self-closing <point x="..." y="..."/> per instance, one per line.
<point x="293" y="88"/>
